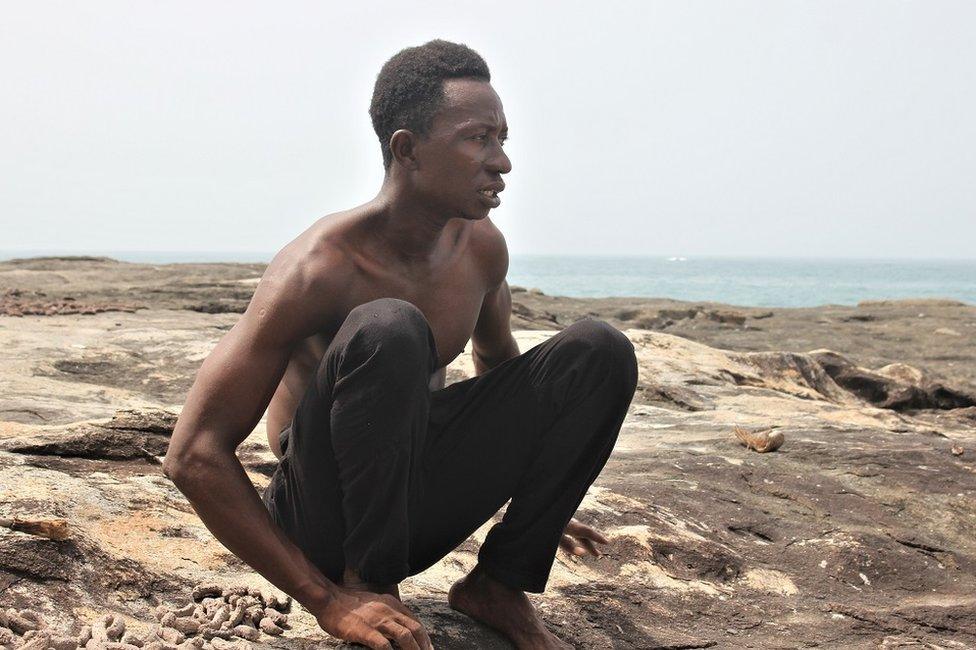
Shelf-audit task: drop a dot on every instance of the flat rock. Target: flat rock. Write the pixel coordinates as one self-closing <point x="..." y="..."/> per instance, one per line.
<point x="858" y="532"/>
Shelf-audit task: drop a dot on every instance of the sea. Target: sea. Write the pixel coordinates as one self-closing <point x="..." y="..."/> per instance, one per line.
<point x="763" y="282"/>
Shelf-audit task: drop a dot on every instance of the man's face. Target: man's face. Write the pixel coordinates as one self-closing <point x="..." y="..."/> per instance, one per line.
<point x="461" y="160"/>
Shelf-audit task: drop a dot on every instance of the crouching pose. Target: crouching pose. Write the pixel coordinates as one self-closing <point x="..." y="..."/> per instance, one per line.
<point x="383" y="470"/>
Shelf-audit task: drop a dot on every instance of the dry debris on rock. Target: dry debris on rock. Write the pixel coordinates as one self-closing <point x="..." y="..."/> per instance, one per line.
<point x="15" y="302"/>
<point x="224" y="618"/>
<point x="56" y="529"/>
<point x="762" y="441"/>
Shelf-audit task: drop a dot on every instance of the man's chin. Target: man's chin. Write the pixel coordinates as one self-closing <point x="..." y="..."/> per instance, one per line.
<point x="475" y="215"/>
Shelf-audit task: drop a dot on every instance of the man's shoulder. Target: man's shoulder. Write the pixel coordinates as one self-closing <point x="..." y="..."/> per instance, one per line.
<point x="488" y="244"/>
<point x="319" y="256"/>
<point x="306" y="272"/>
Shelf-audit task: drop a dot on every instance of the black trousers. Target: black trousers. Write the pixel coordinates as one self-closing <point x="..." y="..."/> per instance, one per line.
<point x="384" y="476"/>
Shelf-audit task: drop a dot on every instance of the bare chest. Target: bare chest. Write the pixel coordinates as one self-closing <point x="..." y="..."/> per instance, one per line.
<point x="450" y="300"/>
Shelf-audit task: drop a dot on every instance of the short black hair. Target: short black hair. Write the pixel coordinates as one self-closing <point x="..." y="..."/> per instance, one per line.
<point x="410" y="87"/>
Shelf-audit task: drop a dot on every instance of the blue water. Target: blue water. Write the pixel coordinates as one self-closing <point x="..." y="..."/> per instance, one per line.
<point x="760" y="282"/>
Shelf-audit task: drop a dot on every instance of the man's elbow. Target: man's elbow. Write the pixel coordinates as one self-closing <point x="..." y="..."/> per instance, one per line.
<point x="183" y="464"/>
<point x="173" y="468"/>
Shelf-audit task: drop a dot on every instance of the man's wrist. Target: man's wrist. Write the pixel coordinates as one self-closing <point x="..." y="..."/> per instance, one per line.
<point x="315" y="596"/>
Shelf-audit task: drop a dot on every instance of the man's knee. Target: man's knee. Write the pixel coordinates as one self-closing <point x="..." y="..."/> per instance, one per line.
<point x="391" y="325"/>
<point x="603" y="343"/>
<point x="388" y="336"/>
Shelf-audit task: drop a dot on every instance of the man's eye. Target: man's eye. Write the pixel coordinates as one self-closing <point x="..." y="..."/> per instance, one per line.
<point x="503" y="140"/>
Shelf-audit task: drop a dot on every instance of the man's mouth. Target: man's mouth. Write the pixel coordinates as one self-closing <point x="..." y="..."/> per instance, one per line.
<point x="490" y="198"/>
<point x="489" y="194"/>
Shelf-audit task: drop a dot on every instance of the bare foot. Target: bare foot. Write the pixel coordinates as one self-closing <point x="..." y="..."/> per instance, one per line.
<point x="505" y="609"/>
<point x="352" y="581"/>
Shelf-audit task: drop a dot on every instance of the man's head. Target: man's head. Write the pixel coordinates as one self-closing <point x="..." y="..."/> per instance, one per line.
<point x="410" y="88"/>
<point x="437" y="117"/>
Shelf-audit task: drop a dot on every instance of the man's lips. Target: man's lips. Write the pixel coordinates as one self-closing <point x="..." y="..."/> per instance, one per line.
<point x="496" y="187"/>
<point x="489" y="193"/>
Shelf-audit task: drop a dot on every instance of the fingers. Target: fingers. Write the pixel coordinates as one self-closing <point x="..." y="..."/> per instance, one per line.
<point x="580" y="546"/>
<point x="591" y="547"/>
<point x="598" y="536"/>
<point x="577" y="529"/>
<point x="418" y="632"/>
<point x="572" y="546"/>
<point x="372" y="640"/>
<point x="408" y="621"/>
<point x="404" y="638"/>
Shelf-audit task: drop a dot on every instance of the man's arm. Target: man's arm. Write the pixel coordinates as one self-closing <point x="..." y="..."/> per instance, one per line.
<point x="228" y="397"/>
<point x="492" y="342"/>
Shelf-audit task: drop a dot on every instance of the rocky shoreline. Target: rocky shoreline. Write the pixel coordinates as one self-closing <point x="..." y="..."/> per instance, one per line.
<point x="857" y="532"/>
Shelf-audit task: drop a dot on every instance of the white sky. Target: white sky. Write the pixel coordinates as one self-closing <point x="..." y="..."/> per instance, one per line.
<point x="779" y="127"/>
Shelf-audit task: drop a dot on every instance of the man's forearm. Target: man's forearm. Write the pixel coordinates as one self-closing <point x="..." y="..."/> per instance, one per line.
<point x="483" y="364"/>
<point x="222" y="495"/>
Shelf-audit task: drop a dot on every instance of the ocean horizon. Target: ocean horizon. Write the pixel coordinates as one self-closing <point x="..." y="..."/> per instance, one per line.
<point x="761" y="282"/>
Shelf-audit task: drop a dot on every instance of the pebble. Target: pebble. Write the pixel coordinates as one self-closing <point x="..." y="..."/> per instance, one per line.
<point x="268" y="627"/>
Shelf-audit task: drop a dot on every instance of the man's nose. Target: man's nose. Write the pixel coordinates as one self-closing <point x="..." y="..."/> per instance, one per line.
<point x="499" y="161"/>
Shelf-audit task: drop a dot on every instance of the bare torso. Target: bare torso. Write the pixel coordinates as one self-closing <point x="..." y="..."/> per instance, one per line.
<point x="448" y="290"/>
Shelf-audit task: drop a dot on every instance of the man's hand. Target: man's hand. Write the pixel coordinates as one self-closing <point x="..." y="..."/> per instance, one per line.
<point x="372" y="620"/>
<point x="580" y="539"/>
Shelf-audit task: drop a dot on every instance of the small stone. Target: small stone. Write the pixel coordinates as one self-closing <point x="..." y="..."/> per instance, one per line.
<point x="246" y="632"/>
<point x="268" y="627"/>
<point x="237" y="614"/>
<point x="255" y="614"/>
<point x="185" y="624"/>
<point x="211" y="603"/>
<point x="18" y="623"/>
<point x="62" y="643"/>
<point x="33" y="617"/>
<point x="186" y="610"/>
<point x="957" y="450"/>
<point x="279" y="619"/>
<point x="208" y="632"/>
<point x="171" y="635"/>
<point x="38" y="642"/>
<point x="115" y="627"/>
<point x="221" y="615"/>
<point x="206" y="589"/>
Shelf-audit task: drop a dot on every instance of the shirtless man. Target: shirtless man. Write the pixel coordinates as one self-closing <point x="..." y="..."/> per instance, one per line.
<point x="384" y="470"/>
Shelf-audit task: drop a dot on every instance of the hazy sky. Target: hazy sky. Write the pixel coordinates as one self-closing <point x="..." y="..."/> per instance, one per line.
<point x="677" y="128"/>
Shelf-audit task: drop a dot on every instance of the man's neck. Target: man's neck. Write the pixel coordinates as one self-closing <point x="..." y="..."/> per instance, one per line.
<point x="407" y="229"/>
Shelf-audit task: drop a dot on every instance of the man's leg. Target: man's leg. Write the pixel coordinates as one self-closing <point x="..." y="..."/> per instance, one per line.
<point x="348" y="478"/>
<point x="537" y="429"/>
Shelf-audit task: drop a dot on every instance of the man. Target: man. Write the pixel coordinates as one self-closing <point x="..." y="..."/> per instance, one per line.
<point x="383" y="470"/>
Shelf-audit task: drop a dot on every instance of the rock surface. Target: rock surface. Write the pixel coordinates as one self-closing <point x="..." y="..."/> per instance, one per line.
<point x="857" y="532"/>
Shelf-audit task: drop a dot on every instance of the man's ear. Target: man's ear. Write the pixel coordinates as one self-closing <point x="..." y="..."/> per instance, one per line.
<point x="402" y="145"/>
